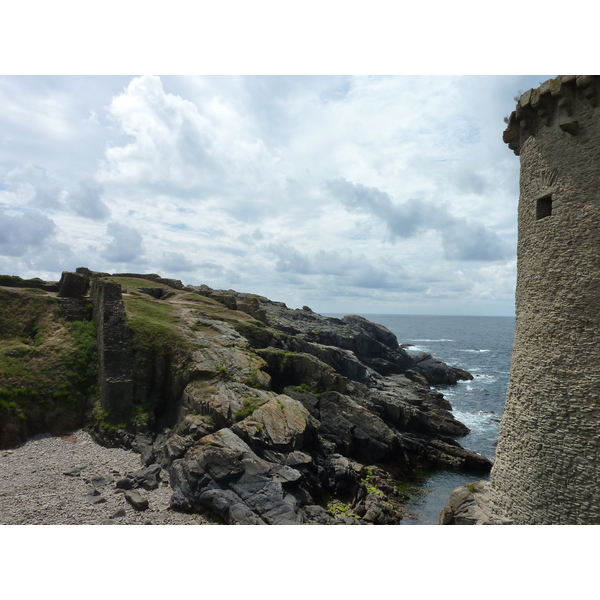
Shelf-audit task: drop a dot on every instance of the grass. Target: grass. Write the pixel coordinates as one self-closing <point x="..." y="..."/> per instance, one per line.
<point x="132" y="283"/>
<point x="249" y="405"/>
<point x="255" y="332"/>
<point x="154" y="324"/>
<point x="16" y="281"/>
<point x="337" y="508"/>
<point x="304" y="387"/>
<point x="253" y="381"/>
<point x="45" y="362"/>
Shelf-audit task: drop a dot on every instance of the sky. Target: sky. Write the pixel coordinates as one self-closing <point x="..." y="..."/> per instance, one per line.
<point x="386" y="192"/>
<point x="367" y="194"/>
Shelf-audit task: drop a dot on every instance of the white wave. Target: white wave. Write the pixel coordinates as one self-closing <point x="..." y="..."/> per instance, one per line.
<point x="484" y="377"/>
<point x="416" y="349"/>
<point x="473" y="350"/>
<point x="423" y="340"/>
<point x="478" y="421"/>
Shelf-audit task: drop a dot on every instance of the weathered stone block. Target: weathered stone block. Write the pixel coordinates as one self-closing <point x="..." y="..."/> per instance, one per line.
<point x="73" y="285"/>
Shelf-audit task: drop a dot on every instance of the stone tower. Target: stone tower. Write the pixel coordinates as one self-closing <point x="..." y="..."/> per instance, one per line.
<point x="547" y="466"/>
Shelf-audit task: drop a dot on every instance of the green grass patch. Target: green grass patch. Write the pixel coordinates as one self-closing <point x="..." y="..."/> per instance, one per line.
<point x="249" y="405"/>
<point x="154" y="325"/>
<point x="223" y="374"/>
<point x="45" y="362"/>
<point x="255" y="332"/>
<point x="132" y="283"/>
<point x="16" y="281"/>
<point x="304" y="387"/>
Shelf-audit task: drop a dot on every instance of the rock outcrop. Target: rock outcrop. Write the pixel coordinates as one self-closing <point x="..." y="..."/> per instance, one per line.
<point x="264" y="414"/>
<point x="470" y="505"/>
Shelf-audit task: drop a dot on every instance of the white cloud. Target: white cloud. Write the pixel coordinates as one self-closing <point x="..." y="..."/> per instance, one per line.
<point x="126" y="246"/>
<point x="23" y="232"/>
<point x="461" y="239"/>
<point x="368" y="193"/>
<point x="86" y="200"/>
<point x="176" y="262"/>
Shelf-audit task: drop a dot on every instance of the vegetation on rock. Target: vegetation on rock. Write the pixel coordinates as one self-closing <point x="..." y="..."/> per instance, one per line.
<point x="48" y="367"/>
<point x="261" y="413"/>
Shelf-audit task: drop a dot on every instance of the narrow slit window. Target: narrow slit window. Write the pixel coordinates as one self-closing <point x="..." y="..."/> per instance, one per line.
<point x="544" y="207"/>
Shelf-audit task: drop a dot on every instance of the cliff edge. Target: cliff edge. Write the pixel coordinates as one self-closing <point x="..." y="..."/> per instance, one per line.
<point x="261" y="414"/>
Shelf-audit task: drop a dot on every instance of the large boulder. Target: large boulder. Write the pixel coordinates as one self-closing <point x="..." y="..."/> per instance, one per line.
<point x="355" y="431"/>
<point x="435" y="371"/>
<point x="281" y="424"/>
<point x="222" y="474"/>
<point x="470" y="505"/>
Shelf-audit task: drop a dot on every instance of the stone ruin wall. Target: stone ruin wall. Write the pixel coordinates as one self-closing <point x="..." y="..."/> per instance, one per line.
<point x="115" y="357"/>
<point x="547" y="466"/>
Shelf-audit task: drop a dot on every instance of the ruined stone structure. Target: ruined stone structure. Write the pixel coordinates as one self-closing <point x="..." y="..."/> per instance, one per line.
<point x="72" y="290"/>
<point x="547" y="467"/>
<point x="115" y="362"/>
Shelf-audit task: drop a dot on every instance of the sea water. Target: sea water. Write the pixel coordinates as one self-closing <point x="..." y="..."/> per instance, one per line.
<point x="482" y="346"/>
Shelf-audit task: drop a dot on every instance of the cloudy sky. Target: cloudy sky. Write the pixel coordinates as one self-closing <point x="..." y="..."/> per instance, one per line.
<point x="366" y="194"/>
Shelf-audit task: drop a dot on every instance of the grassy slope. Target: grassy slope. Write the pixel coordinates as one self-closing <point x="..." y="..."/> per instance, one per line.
<point x="48" y="367"/>
<point x="46" y="364"/>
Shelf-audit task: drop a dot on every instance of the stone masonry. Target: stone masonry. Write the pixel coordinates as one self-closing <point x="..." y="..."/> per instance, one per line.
<point x="115" y="362"/>
<point x="547" y="467"/>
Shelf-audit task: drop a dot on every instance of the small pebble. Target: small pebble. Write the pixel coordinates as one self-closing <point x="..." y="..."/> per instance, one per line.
<point x="34" y="490"/>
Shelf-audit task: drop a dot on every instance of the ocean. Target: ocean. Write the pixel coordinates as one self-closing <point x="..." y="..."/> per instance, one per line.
<point x="482" y="346"/>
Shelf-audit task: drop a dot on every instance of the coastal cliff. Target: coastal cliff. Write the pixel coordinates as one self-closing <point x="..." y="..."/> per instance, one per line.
<point x="260" y="414"/>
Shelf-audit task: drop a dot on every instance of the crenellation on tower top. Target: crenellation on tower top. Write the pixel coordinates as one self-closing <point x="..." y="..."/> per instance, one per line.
<point x="555" y="102"/>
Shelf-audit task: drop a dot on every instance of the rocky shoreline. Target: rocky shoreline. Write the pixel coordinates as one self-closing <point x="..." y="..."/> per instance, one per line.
<point x="72" y="480"/>
<point x="239" y="408"/>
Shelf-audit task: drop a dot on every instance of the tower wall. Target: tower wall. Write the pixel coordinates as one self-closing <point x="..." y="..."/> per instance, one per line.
<point x="547" y="466"/>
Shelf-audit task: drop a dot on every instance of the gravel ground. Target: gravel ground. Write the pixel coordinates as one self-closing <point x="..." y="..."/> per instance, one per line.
<point x="35" y="491"/>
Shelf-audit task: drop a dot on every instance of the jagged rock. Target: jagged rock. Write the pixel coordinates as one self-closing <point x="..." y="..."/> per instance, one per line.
<point x="124" y="483"/>
<point x="379" y="332"/>
<point x="378" y="511"/>
<point x="461" y="374"/>
<point x="96" y="499"/>
<point x="196" y="426"/>
<point x="172" y="448"/>
<point x="343" y="477"/>
<point x="150" y="484"/>
<point x="222" y="473"/>
<point x="75" y="471"/>
<point x="317" y="515"/>
<point x="99" y="481"/>
<point x="270" y="415"/>
<point x="151" y="473"/>
<point x="297" y="368"/>
<point x="136" y="500"/>
<point x="470" y="505"/>
<point x="355" y="431"/>
<point x="282" y="424"/>
<point x="435" y="371"/>
<point x="144" y="445"/>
